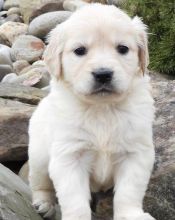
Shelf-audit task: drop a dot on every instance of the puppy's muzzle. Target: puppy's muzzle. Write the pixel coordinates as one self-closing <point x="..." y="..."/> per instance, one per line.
<point x="103" y="80"/>
<point x="103" y="75"/>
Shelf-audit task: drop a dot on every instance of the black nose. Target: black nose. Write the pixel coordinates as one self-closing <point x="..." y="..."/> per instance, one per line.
<point x="103" y="75"/>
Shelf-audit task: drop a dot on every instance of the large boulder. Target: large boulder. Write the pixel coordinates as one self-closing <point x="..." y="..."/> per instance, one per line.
<point x="17" y="104"/>
<point x="160" y="196"/>
<point x="15" y="202"/>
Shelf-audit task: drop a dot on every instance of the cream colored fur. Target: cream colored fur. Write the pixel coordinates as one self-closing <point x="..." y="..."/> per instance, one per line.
<point x="82" y="142"/>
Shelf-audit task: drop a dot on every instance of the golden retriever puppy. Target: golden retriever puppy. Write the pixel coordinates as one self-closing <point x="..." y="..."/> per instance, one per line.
<point x="94" y="130"/>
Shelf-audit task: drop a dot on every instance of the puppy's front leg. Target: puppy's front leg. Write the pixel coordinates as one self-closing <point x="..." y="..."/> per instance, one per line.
<point x="70" y="174"/>
<point x="132" y="177"/>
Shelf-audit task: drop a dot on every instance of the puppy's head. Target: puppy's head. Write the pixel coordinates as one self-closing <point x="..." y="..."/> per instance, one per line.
<point x="98" y="51"/>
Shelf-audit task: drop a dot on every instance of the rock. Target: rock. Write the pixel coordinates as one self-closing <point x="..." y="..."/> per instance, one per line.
<point x="9" y="78"/>
<point x="43" y="24"/>
<point x="159" y="199"/>
<point x="14" y="18"/>
<point x="4" y="70"/>
<point x="17" y="104"/>
<point x="13" y="10"/>
<point x="24" y="172"/>
<point x="23" y="94"/>
<point x="5" y="55"/>
<point x="15" y="196"/>
<point x="19" y="65"/>
<point x="28" y="8"/>
<point x="15" y="203"/>
<point x="73" y="5"/>
<point x="36" y="76"/>
<point x="3" y="14"/>
<point x="13" y="128"/>
<point x="47" y="7"/>
<point x="11" y="3"/>
<point x="2" y="40"/>
<point x="9" y="31"/>
<point x="1" y="4"/>
<point x="27" y="47"/>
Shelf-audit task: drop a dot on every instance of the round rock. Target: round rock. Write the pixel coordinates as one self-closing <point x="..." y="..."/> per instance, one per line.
<point x="47" y="7"/>
<point x="11" y="3"/>
<point x="9" y="31"/>
<point x="19" y="65"/>
<point x="13" y="10"/>
<point x="5" y="55"/>
<point x="43" y="24"/>
<point x="1" y="4"/>
<point x="27" y="47"/>
<point x="4" y="70"/>
<point x="14" y="18"/>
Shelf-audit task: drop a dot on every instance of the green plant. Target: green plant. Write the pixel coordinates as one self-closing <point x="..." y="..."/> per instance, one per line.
<point x="159" y="16"/>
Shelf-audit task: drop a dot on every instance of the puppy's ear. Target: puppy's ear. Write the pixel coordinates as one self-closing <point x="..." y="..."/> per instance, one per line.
<point x="53" y="52"/>
<point x="142" y="41"/>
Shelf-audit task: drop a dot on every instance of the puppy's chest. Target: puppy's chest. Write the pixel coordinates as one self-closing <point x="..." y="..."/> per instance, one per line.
<point x="104" y="131"/>
<point x="105" y="136"/>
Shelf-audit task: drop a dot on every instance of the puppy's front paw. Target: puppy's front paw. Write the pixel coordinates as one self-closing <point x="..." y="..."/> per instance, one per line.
<point x="144" y="216"/>
<point x="45" y="209"/>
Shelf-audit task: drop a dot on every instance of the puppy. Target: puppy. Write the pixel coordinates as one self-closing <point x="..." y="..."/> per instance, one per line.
<point x="94" y="130"/>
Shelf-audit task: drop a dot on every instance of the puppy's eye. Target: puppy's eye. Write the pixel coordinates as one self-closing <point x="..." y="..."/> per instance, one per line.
<point x="122" y="49"/>
<point x="80" y="51"/>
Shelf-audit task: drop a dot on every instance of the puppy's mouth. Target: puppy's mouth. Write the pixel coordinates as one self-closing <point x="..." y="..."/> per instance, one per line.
<point x="103" y="90"/>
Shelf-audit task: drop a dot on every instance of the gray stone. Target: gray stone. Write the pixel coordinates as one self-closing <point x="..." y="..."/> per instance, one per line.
<point x="73" y="5"/>
<point x="47" y="7"/>
<point x="35" y="76"/>
<point x="24" y="172"/>
<point x="3" y="13"/>
<point x="13" y="10"/>
<point x="159" y="199"/>
<point x="11" y="3"/>
<point x="17" y="105"/>
<point x="15" y="202"/>
<point x="9" y="78"/>
<point x="9" y="31"/>
<point x="13" y="129"/>
<point x="14" y="18"/>
<point x="5" y="55"/>
<point x="19" y="65"/>
<point x="28" y="8"/>
<point x="1" y="4"/>
<point x="23" y="94"/>
<point x="4" y="70"/>
<point x="43" y="24"/>
<point x="27" y="47"/>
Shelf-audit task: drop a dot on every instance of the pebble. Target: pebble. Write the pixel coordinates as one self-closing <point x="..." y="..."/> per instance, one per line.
<point x="5" y="55"/>
<point x="46" y="7"/>
<point x="19" y="65"/>
<point x="1" y="4"/>
<point x="14" y="18"/>
<point x="13" y="10"/>
<point x="11" y="3"/>
<point x="10" y="30"/>
<point x="37" y="76"/>
<point x="28" y="47"/>
<point x="43" y="24"/>
<point x="4" y="70"/>
<point x="9" y="78"/>
<point x="73" y="5"/>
